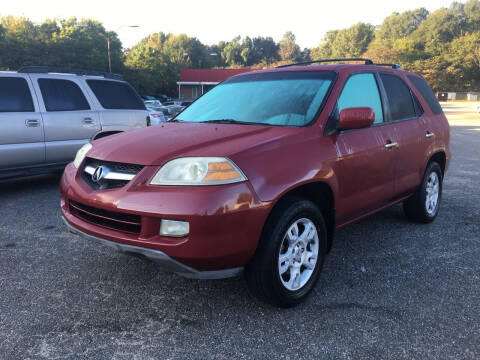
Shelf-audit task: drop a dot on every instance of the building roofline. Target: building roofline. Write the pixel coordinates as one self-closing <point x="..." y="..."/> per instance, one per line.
<point x="197" y="82"/>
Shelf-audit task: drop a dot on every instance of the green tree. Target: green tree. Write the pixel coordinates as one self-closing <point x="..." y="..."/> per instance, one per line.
<point x="288" y="49"/>
<point x="472" y="14"/>
<point x="232" y="52"/>
<point x="463" y="59"/>
<point x="154" y="64"/>
<point x="19" y="42"/>
<point x="399" y="25"/>
<point x="344" y="43"/>
<point x="149" y="70"/>
<point x="66" y="43"/>
<point x="185" y="51"/>
<point x="439" y="28"/>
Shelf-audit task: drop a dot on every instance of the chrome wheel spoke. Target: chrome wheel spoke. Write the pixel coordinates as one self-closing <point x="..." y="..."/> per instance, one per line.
<point x="307" y="233"/>
<point x="292" y="233"/>
<point x="294" y="281"/>
<point x="310" y="260"/>
<point x="283" y="268"/>
<point x="285" y="257"/>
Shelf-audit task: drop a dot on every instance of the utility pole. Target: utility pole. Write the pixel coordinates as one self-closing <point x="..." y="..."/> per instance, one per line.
<point x="109" y="55"/>
<point x="107" y="37"/>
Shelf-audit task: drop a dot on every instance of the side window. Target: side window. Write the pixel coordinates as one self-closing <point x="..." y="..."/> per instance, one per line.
<point x="15" y="95"/>
<point x="399" y="97"/>
<point x="361" y="90"/>
<point x="116" y="95"/>
<point x="427" y="93"/>
<point x="62" y="95"/>
<point x="418" y="108"/>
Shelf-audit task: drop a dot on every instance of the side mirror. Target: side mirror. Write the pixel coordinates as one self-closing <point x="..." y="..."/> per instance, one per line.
<point x="356" y="118"/>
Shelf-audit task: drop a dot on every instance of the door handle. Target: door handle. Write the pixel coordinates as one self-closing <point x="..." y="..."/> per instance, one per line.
<point x="429" y="134"/>
<point x="32" y="123"/>
<point x="391" y="145"/>
<point x="87" y="120"/>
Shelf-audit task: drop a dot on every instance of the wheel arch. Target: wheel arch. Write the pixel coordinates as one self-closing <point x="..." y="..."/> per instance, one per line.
<point x="321" y="194"/>
<point x="103" y="134"/>
<point x="441" y="158"/>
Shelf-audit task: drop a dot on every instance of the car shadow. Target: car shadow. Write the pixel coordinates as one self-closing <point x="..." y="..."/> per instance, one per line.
<point x="193" y="302"/>
<point x="30" y="183"/>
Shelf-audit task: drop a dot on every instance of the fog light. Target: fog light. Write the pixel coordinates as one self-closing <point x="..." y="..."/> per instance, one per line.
<point x="174" y="228"/>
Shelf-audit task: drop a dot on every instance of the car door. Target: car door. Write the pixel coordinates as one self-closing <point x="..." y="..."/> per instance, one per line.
<point x="69" y="118"/>
<point x="21" y="126"/>
<point x="410" y="127"/>
<point x="366" y="156"/>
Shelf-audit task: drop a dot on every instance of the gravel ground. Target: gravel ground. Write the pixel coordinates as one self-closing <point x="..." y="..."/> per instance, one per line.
<point x="390" y="289"/>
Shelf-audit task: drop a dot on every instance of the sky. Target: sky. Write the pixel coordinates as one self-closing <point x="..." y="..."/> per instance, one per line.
<point x="212" y="20"/>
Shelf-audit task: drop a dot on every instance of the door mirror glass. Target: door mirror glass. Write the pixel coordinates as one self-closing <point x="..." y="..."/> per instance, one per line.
<point x="356" y="118"/>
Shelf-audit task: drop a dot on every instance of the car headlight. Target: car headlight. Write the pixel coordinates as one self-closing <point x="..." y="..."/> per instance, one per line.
<point x="198" y="171"/>
<point x="81" y="153"/>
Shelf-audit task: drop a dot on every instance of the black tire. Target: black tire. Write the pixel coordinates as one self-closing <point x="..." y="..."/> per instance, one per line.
<point x="262" y="273"/>
<point x="415" y="207"/>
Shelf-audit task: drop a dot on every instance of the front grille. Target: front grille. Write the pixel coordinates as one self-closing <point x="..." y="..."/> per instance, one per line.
<point x="119" y="221"/>
<point x="115" y="167"/>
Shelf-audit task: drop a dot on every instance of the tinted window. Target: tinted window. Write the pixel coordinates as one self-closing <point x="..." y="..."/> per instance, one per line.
<point x="361" y="90"/>
<point x="427" y="93"/>
<point x="116" y="95"/>
<point x="15" y="95"/>
<point x="399" y="97"/>
<point x="418" y="107"/>
<point x="277" y="98"/>
<point x="62" y="95"/>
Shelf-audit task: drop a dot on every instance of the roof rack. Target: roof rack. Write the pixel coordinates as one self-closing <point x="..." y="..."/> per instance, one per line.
<point x="393" y="66"/>
<point x="61" y="70"/>
<point x="366" y="61"/>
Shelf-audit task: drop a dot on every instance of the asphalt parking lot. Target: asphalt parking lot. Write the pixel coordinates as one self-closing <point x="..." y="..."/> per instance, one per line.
<point x="390" y="289"/>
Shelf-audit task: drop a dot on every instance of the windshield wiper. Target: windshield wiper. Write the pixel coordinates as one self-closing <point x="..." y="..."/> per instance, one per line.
<point x="174" y="120"/>
<point x="232" y="121"/>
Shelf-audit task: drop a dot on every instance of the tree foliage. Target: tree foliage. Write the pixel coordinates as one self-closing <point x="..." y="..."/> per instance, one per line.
<point x="345" y="43"/>
<point x="288" y="48"/>
<point x="71" y="42"/>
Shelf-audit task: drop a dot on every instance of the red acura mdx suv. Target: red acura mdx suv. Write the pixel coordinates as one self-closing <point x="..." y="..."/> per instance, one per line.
<point x="256" y="175"/>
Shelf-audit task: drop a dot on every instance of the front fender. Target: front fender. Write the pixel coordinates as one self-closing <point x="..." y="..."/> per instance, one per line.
<point x="275" y="169"/>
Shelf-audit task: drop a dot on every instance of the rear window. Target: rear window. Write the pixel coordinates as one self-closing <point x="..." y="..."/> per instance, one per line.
<point x="116" y="95"/>
<point x="15" y="95"/>
<point x="62" y="95"/>
<point x="399" y="97"/>
<point x="427" y="93"/>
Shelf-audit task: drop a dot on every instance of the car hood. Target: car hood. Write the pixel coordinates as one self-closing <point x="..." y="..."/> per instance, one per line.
<point x="159" y="144"/>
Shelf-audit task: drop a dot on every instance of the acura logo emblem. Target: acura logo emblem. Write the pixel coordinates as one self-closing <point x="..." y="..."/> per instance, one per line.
<point x="99" y="173"/>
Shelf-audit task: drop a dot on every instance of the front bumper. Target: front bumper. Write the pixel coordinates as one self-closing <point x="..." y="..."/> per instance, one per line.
<point x="160" y="257"/>
<point x="226" y="222"/>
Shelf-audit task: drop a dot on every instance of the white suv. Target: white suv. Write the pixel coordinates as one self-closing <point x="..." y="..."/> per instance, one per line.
<point x="47" y="114"/>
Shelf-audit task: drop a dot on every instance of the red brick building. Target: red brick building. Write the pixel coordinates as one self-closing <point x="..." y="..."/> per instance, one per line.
<point x="196" y="82"/>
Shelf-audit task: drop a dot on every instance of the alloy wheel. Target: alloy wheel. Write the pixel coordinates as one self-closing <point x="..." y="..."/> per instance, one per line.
<point x="298" y="254"/>
<point x="433" y="190"/>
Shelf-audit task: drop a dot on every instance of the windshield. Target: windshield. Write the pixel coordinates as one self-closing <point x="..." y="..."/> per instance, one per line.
<point x="278" y="98"/>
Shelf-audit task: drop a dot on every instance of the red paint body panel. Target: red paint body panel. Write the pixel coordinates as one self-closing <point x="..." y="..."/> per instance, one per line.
<point x="226" y="221"/>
